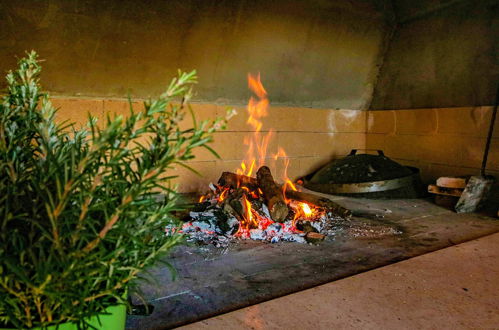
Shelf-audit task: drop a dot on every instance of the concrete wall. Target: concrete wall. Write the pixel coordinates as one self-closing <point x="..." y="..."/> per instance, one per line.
<point x="319" y="53"/>
<point x="443" y="54"/>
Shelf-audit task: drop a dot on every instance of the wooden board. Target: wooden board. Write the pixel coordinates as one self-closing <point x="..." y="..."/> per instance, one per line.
<point x="451" y="182"/>
<point x="434" y="189"/>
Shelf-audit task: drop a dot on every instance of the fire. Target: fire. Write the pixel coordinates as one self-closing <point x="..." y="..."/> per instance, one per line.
<point x="306" y="209"/>
<point x="248" y="211"/>
<point x="246" y="171"/>
<point x="223" y="194"/>
<point x="287" y="182"/>
<point x="256" y="154"/>
<point x="302" y="210"/>
<point x="258" y="142"/>
<point x="249" y="220"/>
<point x="252" y="211"/>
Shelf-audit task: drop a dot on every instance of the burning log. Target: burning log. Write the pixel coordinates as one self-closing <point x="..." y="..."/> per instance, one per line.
<point x="234" y="180"/>
<point x="273" y="194"/>
<point x="233" y="205"/>
<point x="319" y="201"/>
<point x="237" y="203"/>
<point x="305" y="227"/>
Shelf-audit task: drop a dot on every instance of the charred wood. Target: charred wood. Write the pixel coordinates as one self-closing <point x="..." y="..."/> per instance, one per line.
<point x="305" y="227"/>
<point x="233" y="204"/>
<point x="229" y="179"/>
<point x="272" y="193"/>
<point x="234" y="180"/>
<point x="319" y="201"/>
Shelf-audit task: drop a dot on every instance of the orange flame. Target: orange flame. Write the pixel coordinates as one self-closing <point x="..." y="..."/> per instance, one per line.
<point x="248" y="215"/>
<point x="304" y="211"/>
<point x="249" y="220"/>
<point x="201" y="199"/>
<point x="256" y="154"/>
<point x="257" y="143"/>
<point x="287" y="182"/>
<point x="223" y="195"/>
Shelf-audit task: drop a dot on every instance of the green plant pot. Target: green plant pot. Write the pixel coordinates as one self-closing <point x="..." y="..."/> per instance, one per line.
<point x="114" y="319"/>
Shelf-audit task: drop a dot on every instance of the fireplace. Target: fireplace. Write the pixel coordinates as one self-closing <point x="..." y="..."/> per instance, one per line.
<point x="309" y="81"/>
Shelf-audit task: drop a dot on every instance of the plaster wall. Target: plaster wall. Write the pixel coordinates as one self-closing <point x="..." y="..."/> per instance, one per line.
<point x="442" y="54"/>
<point x="318" y="62"/>
<point x="433" y="99"/>
<point x="319" y="53"/>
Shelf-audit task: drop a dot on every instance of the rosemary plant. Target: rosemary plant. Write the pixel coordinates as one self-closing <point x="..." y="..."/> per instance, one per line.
<point x="80" y="216"/>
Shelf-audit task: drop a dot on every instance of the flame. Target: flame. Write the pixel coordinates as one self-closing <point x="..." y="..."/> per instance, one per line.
<point x="306" y="209"/>
<point x="258" y="142"/>
<point x="244" y="170"/>
<point x="223" y="195"/>
<point x="250" y="219"/>
<point x="256" y="153"/>
<point x="287" y="182"/>
<point x="248" y="214"/>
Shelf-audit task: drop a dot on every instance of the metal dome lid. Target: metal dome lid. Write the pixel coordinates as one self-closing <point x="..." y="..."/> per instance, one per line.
<point x="361" y="168"/>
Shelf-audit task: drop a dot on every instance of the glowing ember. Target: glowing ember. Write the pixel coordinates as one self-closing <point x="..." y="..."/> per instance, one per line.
<point x="306" y="209"/>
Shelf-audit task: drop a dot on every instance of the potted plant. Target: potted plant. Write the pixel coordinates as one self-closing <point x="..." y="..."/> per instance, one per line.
<point x="83" y="209"/>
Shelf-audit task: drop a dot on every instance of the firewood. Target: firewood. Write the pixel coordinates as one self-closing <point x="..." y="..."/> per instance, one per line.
<point x="434" y="189"/>
<point x="305" y="227"/>
<point x="232" y="204"/>
<point x="229" y="179"/>
<point x="319" y="201"/>
<point x="314" y="238"/>
<point x="234" y="180"/>
<point x="273" y="194"/>
<point x="452" y="182"/>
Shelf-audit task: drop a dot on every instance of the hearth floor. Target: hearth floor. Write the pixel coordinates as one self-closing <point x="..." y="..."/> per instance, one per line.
<point x="212" y="281"/>
<point x="453" y="288"/>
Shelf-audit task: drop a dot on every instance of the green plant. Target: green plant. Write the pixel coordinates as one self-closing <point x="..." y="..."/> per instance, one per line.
<point x="80" y="208"/>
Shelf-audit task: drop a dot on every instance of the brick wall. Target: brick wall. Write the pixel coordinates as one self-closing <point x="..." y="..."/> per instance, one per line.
<point x="442" y="141"/>
<point x="310" y="137"/>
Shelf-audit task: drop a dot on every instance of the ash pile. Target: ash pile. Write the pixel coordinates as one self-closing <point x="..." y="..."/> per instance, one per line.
<point x="242" y="207"/>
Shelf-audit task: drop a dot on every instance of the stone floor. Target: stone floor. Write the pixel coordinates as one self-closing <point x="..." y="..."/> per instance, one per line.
<point x="453" y="288"/>
<point x="214" y="281"/>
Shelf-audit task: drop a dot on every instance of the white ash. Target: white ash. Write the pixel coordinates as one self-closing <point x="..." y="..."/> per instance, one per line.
<point x="264" y="210"/>
<point x="373" y="231"/>
<point x="205" y="228"/>
<point x="212" y="187"/>
<point x="214" y="226"/>
<point x="257" y="234"/>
